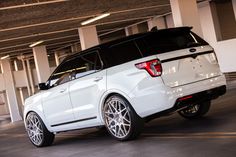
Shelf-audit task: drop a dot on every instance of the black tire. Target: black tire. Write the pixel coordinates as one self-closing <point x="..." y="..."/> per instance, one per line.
<point x="115" y="122"/>
<point x="38" y="134"/>
<point x="195" y="111"/>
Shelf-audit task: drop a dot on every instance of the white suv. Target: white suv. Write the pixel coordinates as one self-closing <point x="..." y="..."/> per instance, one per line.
<point x="126" y="82"/>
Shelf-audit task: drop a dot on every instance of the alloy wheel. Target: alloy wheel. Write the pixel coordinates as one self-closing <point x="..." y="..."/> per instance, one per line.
<point x="117" y="117"/>
<point x="34" y="129"/>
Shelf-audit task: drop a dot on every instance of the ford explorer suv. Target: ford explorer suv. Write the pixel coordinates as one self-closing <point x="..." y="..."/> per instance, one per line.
<point x="124" y="83"/>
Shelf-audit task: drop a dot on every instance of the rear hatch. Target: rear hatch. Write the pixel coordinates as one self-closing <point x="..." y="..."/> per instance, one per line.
<point x="183" y="67"/>
<point x="184" y="56"/>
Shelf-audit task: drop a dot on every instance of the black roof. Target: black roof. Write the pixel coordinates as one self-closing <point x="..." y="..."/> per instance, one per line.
<point x="131" y="37"/>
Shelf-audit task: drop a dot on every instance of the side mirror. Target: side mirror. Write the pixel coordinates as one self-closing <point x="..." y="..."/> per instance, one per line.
<point x="43" y="86"/>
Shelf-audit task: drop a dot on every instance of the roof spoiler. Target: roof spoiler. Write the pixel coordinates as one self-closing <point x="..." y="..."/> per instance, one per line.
<point x="155" y="28"/>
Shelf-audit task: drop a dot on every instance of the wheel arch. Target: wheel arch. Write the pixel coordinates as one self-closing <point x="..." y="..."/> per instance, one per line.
<point x="109" y="94"/>
<point x="39" y="113"/>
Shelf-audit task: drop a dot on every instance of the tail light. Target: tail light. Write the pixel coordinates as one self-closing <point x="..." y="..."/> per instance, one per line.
<point x="185" y="98"/>
<point x="153" y="67"/>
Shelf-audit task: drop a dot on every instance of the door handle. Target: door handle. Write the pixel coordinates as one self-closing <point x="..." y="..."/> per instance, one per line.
<point x="62" y="90"/>
<point x="98" y="79"/>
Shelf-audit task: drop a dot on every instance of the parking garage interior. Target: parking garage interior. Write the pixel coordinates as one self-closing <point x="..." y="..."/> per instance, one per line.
<point x="36" y="35"/>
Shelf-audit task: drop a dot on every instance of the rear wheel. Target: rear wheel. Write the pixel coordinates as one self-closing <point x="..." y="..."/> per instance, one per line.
<point x="195" y="111"/>
<point x="37" y="131"/>
<point x="120" y="119"/>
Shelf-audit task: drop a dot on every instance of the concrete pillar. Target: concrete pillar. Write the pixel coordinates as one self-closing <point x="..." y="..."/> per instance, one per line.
<point x="159" y="22"/>
<point x="75" y="48"/>
<point x="88" y="37"/>
<point x="131" y="30"/>
<point x="169" y="21"/>
<point x="56" y="55"/>
<point x="185" y="13"/>
<point x="41" y="63"/>
<point x="134" y="29"/>
<point x="26" y="76"/>
<point x="210" y="31"/>
<point x="20" y="89"/>
<point x="127" y="33"/>
<point x="234" y="7"/>
<point x="1" y="70"/>
<point x="10" y="90"/>
<point x="30" y="76"/>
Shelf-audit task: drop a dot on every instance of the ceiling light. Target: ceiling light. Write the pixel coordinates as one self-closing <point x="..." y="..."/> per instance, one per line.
<point x="95" y="19"/>
<point x="5" y="57"/>
<point x="36" y="43"/>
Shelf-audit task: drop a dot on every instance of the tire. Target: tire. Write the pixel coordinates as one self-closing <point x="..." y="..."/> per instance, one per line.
<point x="120" y="119"/>
<point x="195" y="111"/>
<point x="37" y="132"/>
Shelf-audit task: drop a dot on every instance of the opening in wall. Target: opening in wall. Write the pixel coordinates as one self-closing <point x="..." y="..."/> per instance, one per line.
<point x="224" y="19"/>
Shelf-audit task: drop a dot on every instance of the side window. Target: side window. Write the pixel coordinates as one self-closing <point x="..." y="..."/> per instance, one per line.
<point x="122" y="53"/>
<point x="86" y="64"/>
<point x="61" y="75"/>
<point x="74" y="68"/>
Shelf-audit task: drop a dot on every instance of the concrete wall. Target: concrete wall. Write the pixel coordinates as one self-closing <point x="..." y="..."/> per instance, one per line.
<point x="20" y="82"/>
<point x="225" y="50"/>
<point x="2" y="85"/>
<point x="170" y="21"/>
<point x="3" y="104"/>
<point x="234" y="7"/>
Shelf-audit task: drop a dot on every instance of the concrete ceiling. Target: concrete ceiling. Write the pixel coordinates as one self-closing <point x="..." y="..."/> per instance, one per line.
<point x="56" y="21"/>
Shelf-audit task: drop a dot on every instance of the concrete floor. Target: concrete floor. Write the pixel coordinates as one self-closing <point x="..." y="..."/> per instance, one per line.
<point x="212" y="136"/>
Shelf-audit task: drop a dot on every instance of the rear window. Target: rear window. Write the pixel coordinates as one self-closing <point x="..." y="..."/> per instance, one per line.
<point x="121" y="53"/>
<point x="163" y="41"/>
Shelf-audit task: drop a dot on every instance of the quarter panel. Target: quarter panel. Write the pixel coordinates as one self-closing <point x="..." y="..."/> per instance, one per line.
<point x="34" y="104"/>
<point x="126" y="77"/>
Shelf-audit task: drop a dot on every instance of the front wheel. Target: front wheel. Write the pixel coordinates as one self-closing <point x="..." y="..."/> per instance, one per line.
<point x="120" y="119"/>
<point x="37" y="131"/>
<point x="195" y="111"/>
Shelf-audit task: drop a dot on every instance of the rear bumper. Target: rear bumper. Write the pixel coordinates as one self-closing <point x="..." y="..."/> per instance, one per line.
<point x="200" y="97"/>
<point x="155" y="97"/>
<point x="192" y="99"/>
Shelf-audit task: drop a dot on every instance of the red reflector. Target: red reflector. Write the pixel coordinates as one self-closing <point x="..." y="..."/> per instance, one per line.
<point x="185" y="98"/>
<point x="153" y="67"/>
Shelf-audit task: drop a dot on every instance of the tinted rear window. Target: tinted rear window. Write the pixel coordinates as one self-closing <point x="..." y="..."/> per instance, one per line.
<point x="121" y="53"/>
<point x="161" y="42"/>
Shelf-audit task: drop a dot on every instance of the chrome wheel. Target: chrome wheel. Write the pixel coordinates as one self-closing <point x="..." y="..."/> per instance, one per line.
<point x="117" y="117"/>
<point x="34" y="129"/>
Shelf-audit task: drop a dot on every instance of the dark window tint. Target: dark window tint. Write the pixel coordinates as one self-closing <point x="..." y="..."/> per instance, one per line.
<point x="161" y="42"/>
<point x="75" y="68"/>
<point x="61" y="75"/>
<point x="86" y="64"/>
<point x="121" y="53"/>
